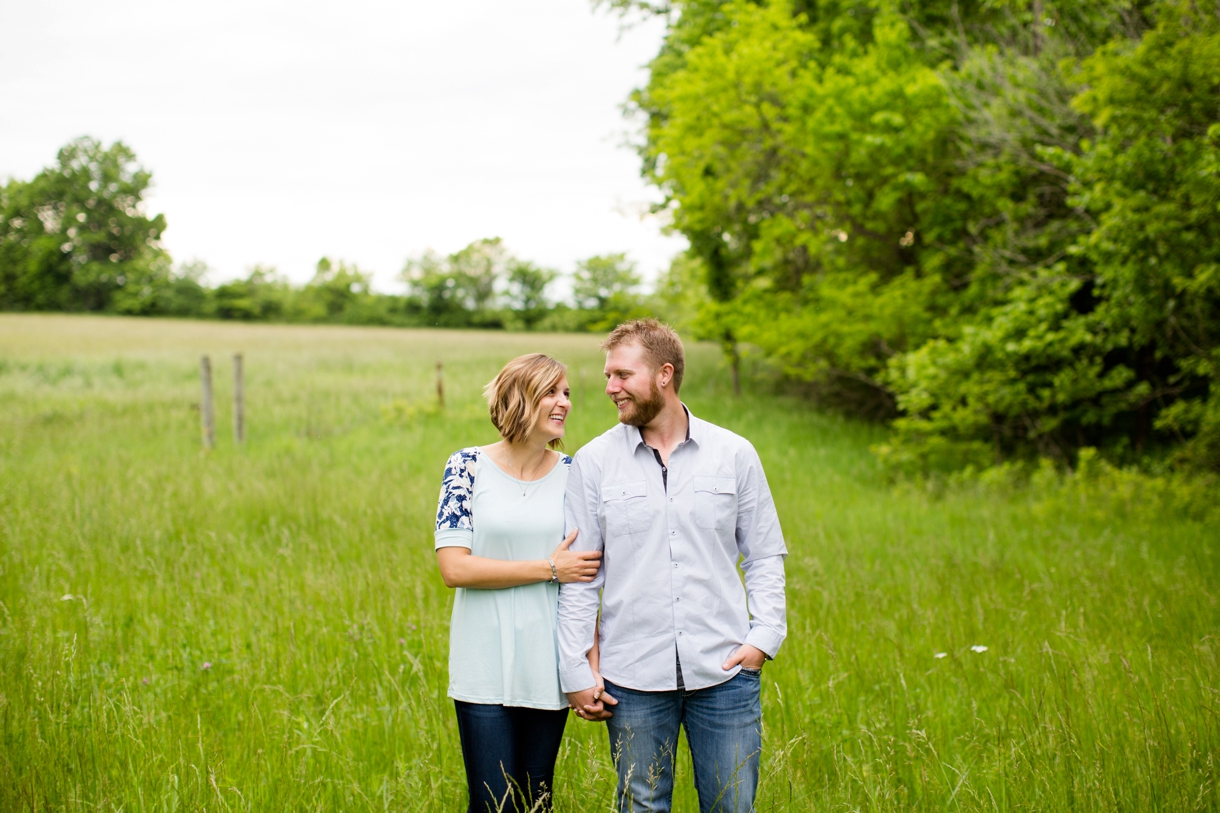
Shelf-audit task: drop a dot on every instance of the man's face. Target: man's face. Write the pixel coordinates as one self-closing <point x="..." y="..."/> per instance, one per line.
<point x="632" y="385"/>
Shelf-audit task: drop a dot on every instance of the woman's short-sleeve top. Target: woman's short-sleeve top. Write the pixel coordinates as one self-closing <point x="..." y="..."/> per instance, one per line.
<point x="502" y="646"/>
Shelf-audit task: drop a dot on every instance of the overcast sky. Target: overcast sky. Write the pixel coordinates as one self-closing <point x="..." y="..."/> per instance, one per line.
<point x="279" y="132"/>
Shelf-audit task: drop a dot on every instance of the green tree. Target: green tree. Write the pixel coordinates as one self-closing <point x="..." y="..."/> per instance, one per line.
<point x="814" y="180"/>
<point x="338" y="292"/>
<point x="996" y="220"/>
<point x="604" y="280"/>
<point x="1116" y="334"/>
<point x="76" y="237"/>
<point x="526" y="292"/>
<point x="262" y="296"/>
<point x="1151" y="182"/>
<point x="187" y="293"/>
<point x="606" y="287"/>
<point x="458" y="290"/>
<point x="479" y="268"/>
<point x="681" y="297"/>
<point x="430" y="281"/>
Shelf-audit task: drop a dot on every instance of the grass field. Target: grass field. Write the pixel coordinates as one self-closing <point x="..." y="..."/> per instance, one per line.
<point x="263" y="628"/>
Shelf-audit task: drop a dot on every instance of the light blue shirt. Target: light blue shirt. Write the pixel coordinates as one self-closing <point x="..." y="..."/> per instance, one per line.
<point x="669" y="579"/>
<point x="502" y="642"/>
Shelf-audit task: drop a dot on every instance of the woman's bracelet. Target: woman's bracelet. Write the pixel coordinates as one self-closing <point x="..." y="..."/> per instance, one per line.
<point x="554" y="572"/>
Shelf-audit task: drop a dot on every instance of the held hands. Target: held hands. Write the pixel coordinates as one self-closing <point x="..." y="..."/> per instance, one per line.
<point x="575" y="566"/>
<point x="749" y="657"/>
<point x="590" y="704"/>
<point x="572" y="566"/>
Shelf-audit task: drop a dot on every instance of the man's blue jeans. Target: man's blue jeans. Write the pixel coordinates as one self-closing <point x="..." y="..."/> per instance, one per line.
<point x="723" y="726"/>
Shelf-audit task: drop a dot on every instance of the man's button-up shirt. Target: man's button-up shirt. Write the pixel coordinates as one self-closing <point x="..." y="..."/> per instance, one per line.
<point x="669" y="578"/>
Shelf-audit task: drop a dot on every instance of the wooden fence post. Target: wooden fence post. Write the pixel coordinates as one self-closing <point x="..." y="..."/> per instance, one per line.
<point x="440" y="385"/>
<point x="209" y="426"/>
<point x="239" y="400"/>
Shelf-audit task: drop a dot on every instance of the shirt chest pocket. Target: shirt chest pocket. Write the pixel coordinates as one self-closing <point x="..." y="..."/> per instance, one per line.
<point x="716" y="502"/>
<point x="625" y="507"/>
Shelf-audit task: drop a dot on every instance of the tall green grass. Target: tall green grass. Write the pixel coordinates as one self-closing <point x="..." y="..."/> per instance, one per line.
<point x="263" y="628"/>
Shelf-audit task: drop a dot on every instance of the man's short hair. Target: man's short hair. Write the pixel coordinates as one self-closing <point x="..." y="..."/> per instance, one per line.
<point x="513" y="396"/>
<point x="660" y="342"/>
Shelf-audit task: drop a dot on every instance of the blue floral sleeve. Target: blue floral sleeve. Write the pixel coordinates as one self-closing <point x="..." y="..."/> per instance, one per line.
<point x="457" y="487"/>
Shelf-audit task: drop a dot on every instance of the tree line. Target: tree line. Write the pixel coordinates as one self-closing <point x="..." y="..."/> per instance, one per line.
<point x="995" y="224"/>
<point x="76" y="238"/>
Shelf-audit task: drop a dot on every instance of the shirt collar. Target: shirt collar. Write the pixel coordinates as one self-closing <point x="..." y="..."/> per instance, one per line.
<point x="635" y="434"/>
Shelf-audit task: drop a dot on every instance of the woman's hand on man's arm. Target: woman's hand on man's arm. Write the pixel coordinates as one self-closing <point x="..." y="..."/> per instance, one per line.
<point x="575" y="566"/>
<point x="459" y="568"/>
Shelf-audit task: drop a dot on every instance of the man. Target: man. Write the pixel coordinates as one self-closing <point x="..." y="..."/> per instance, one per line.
<point x="673" y="502"/>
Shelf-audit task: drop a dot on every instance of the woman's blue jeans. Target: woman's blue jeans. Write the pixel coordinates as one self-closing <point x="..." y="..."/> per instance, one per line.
<point x="723" y="726"/>
<point x="509" y="753"/>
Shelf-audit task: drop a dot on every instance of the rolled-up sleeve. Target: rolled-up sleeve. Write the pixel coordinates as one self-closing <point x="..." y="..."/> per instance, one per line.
<point x="761" y="544"/>
<point x="578" y="601"/>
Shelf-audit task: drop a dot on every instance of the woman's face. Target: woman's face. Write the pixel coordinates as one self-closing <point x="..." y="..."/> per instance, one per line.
<point x="553" y="411"/>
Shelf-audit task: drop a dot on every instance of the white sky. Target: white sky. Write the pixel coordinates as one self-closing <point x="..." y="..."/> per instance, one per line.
<point x="279" y="132"/>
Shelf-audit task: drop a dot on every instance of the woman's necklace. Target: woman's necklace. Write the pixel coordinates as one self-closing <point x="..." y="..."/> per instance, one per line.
<point x="524" y="483"/>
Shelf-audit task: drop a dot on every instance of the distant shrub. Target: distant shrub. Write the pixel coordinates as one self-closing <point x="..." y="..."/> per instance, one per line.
<point x="1094" y="487"/>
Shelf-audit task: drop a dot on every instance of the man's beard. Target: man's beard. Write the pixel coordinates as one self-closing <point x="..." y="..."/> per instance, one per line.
<point x="641" y="413"/>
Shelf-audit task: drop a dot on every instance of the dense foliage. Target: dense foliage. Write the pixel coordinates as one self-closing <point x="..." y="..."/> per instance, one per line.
<point x="994" y="222"/>
<point x="76" y="238"/>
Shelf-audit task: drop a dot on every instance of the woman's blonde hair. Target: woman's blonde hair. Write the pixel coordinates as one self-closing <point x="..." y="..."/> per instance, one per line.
<point x="515" y="393"/>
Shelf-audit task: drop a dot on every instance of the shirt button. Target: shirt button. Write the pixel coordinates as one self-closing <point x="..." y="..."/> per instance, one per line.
<point x="671" y="533"/>
<point x="679" y="635"/>
<point x="678" y="599"/>
<point x="671" y="499"/>
<point x="675" y="564"/>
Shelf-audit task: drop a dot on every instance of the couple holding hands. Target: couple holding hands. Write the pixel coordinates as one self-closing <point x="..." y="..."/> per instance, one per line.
<point x="654" y="516"/>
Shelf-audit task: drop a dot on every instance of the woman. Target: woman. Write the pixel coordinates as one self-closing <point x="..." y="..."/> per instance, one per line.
<point x="500" y="516"/>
